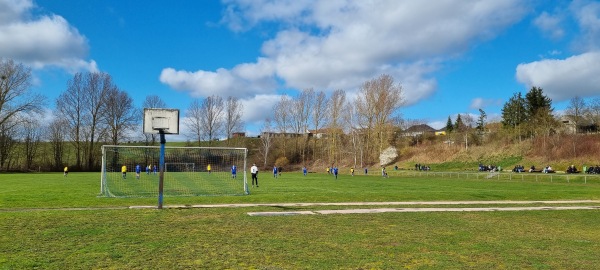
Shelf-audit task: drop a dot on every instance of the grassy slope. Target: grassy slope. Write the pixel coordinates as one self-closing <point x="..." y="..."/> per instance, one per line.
<point x="229" y="238"/>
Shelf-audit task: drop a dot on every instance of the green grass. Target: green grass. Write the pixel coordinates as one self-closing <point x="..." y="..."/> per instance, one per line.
<point x="106" y="235"/>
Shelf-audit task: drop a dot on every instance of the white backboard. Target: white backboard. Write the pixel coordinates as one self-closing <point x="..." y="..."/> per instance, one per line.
<point x="166" y="120"/>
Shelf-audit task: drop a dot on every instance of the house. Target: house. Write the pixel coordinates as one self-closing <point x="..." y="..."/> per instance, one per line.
<point x="238" y="134"/>
<point x="324" y="132"/>
<point x="418" y="130"/>
<point x="584" y="125"/>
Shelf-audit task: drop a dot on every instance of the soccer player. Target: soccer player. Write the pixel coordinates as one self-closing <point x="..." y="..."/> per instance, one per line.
<point x="274" y="171"/>
<point x="138" y="170"/>
<point x="155" y="169"/>
<point x="124" y="171"/>
<point x="304" y="171"/>
<point x="148" y="169"/>
<point x="233" y="171"/>
<point x="352" y="171"/>
<point x="208" y="168"/>
<point x="335" y="172"/>
<point x="254" y="172"/>
<point x="66" y="170"/>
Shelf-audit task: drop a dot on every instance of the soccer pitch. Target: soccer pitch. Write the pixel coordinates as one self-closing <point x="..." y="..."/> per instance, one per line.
<point x="52" y="222"/>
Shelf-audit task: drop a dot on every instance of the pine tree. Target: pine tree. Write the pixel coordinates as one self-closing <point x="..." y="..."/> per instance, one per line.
<point x="449" y="125"/>
<point x="459" y="125"/>
<point x="514" y="111"/>
<point x="481" y="121"/>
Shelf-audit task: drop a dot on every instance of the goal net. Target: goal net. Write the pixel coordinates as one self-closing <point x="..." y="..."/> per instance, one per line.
<point x="133" y="171"/>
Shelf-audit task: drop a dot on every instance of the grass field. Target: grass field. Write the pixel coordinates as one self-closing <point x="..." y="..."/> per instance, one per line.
<point x="51" y="222"/>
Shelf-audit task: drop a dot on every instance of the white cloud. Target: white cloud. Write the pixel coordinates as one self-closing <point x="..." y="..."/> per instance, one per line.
<point x="333" y="45"/>
<point x="587" y="15"/>
<point x="41" y="41"/>
<point x="482" y="103"/>
<point x="563" y="79"/>
<point x="244" y="80"/>
<point x="550" y="25"/>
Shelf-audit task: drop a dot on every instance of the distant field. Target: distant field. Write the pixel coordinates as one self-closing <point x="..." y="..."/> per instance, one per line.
<point x="51" y="222"/>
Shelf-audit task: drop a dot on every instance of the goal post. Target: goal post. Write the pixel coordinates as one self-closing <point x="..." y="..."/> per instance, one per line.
<point x="186" y="171"/>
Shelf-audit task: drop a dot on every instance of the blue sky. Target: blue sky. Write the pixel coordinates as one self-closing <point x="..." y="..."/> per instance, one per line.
<point x="450" y="56"/>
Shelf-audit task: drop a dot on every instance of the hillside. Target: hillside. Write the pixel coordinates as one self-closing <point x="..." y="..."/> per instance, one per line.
<point x="558" y="151"/>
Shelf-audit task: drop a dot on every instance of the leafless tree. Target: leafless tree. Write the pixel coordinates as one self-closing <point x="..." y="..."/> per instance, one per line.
<point x="281" y="114"/>
<point x="319" y="116"/>
<point x="336" y="123"/>
<point x="82" y="106"/>
<point x="593" y="111"/>
<point x="376" y="103"/>
<point x="15" y="95"/>
<point x="576" y="111"/>
<point x="152" y="101"/>
<point x="31" y="135"/>
<point x="193" y="121"/>
<point x="212" y="110"/>
<point x="233" y="116"/>
<point x="121" y="115"/>
<point x="282" y="118"/>
<point x="56" y="136"/>
<point x="266" y="141"/>
<point x="16" y="100"/>
<point x="300" y="110"/>
<point x="8" y="143"/>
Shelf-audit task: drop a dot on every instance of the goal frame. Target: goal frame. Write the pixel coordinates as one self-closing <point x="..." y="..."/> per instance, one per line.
<point x="103" y="172"/>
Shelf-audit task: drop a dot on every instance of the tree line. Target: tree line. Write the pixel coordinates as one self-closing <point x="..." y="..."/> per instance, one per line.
<point x="90" y="112"/>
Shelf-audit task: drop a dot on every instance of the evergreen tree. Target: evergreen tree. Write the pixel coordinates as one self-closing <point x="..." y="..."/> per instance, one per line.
<point x="449" y="125"/>
<point x="514" y="111"/>
<point x="481" y="121"/>
<point x="459" y="125"/>
<point x="538" y="103"/>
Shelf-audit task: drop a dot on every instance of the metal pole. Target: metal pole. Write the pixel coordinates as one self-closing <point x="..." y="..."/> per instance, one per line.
<point x="161" y="166"/>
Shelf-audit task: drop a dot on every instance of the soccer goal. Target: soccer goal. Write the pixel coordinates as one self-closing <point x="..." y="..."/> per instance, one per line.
<point x="186" y="171"/>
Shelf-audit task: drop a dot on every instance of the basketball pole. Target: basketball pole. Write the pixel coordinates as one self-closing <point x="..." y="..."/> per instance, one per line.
<point x="161" y="165"/>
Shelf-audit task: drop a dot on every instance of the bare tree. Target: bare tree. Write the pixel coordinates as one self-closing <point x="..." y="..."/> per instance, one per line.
<point x="593" y="111"/>
<point x="193" y="121"/>
<point x="282" y="118"/>
<point x="336" y="122"/>
<point x="70" y="107"/>
<point x="8" y="142"/>
<point x="376" y="103"/>
<point x="319" y="115"/>
<point x="152" y="101"/>
<point x="233" y="116"/>
<point x="16" y="100"/>
<point x="266" y="141"/>
<point x="56" y="137"/>
<point x="15" y="95"/>
<point x="212" y="109"/>
<point x="576" y="110"/>
<point x="299" y="113"/>
<point x="31" y="134"/>
<point x="121" y="115"/>
<point x="281" y="114"/>
<point x="82" y="105"/>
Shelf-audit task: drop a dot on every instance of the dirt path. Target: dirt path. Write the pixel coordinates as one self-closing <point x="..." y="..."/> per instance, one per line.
<point x="442" y="208"/>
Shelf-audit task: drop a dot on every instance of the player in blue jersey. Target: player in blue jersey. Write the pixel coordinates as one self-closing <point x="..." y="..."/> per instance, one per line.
<point x="275" y="171"/>
<point x="138" y="170"/>
<point x="233" y="171"/>
<point x="304" y="170"/>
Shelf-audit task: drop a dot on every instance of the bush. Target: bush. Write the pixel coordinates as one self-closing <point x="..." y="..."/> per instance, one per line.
<point x="282" y="162"/>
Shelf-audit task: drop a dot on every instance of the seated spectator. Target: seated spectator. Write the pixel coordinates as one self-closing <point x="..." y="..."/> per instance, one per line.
<point x="532" y="168"/>
<point x="572" y="169"/>
<point x="590" y="169"/>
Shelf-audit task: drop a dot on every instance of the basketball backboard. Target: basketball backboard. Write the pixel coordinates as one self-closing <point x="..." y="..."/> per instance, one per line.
<point x="166" y="120"/>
